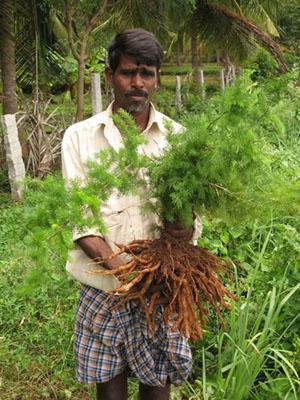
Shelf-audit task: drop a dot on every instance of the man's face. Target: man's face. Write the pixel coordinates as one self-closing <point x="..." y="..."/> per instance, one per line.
<point x="133" y="84"/>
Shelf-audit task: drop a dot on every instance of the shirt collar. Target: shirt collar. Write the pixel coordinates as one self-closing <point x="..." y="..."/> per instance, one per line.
<point x="154" y="118"/>
<point x="111" y="132"/>
<point x="101" y="118"/>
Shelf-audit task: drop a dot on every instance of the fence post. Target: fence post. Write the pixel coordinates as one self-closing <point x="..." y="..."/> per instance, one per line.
<point x="16" y="168"/>
<point x="202" y="83"/>
<point x="96" y="93"/>
<point x="178" y="103"/>
<point x="222" y="78"/>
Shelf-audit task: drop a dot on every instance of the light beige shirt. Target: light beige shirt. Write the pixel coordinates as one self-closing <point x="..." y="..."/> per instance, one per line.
<point x="124" y="216"/>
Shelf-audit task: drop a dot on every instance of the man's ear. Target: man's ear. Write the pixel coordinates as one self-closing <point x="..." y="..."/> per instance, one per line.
<point x="109" y="75"/>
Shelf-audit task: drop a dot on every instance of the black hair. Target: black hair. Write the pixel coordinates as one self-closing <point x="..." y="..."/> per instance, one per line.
<point x="137" y="43"/>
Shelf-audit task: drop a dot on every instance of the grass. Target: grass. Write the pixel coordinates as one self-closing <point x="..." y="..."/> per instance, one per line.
<point x="255" y="358"/>
<point x="245" y="351"/>
<point x="171" y="69"/>
<point x="246" y="361"/>
<point x="36" y="360"/>
<point x="36" y="348"/>
<point x="169" y="82"/>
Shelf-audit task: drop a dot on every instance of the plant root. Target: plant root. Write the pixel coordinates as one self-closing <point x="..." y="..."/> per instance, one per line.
<point x="186" y="273"/>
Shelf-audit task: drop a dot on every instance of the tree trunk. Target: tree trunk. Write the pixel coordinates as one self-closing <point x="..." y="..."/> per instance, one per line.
<point x="177" y="55"/>
<point x="218" y="56"/>
<point x="227" y="69"/>
<point x="297" y="83"/>
<point x="7" y="57"/>
<point x="194" y="51"/>
<point x="80" y="89"/>
<point x="81" y="55"/>
<point x="200" y="56"/>
<point x="186" y="55"/>
<point x="179" y="48"/>
<point x="195" y="59"/>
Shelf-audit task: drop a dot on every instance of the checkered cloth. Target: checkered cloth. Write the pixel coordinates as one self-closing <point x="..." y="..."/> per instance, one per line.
<point x="109" y="342"/>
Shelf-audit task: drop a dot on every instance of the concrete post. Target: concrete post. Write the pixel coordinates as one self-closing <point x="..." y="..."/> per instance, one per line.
<point x="96" y="93"/>
<point x="202" y="83"/>
<point x="178" y="103"/>
<point x="222" y="79"/>
<point x="16" y="168"/>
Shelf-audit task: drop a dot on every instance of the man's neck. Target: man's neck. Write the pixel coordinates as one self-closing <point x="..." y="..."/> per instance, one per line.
<point x="140" y="118"/>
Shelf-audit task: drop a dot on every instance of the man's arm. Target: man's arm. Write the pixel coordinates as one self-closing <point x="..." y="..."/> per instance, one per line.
<point x="73" y="169"/>
<point x="96" y="248"/>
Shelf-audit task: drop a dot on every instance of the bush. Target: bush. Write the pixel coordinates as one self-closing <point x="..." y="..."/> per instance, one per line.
<point x="255" y="357"/>
<point x="263" y="66"/>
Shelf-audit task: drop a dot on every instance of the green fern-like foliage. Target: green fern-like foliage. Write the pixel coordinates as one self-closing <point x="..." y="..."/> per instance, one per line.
<point x="224" y="163"/>
<point x="118" y="170"/>
<point x="52" y="210"/>
<point x="228" y="163"/>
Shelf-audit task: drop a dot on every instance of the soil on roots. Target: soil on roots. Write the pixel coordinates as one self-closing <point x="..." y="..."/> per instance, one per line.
<point x="186" y="276"/>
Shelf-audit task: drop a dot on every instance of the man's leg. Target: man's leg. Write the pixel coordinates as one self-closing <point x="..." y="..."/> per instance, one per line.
<point x="115" y="389"/>
<point x="154" y="392"/>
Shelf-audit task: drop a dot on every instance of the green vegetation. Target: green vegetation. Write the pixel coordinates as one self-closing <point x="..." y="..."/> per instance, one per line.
<point x="173" y="70"/>
<point x="229" y="173"/>
<point x="257" y="356"/>
<point x="254" y="123"/>
<point x="36" y="360"/>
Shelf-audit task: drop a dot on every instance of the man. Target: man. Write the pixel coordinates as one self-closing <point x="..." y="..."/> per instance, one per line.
<point x="111" y="345"/>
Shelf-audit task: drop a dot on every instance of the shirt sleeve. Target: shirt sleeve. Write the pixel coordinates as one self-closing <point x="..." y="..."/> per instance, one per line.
<point x="73" y="168"/>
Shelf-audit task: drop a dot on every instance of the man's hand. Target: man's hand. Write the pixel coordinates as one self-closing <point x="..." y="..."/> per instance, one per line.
<point x="96" y="248"/>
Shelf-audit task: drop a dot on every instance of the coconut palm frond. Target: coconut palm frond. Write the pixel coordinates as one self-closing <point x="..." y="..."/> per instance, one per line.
<point x="151" y="15"/>
<point x="44" y="131"/>
<point x="40" y="42"/>
<point x="234" y="33"/>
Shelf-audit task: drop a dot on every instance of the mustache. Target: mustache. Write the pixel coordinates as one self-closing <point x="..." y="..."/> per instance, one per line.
<point x="136" y="92"/>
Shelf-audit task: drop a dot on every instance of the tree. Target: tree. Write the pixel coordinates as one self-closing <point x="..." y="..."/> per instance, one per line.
<point x="79" y="48"/>
<point x="7" y="56"/>
<point x="115" y="15"/>
<point x="289" y="20"/>
<point x="234" y="28"/>
<point x="40" y="47"/>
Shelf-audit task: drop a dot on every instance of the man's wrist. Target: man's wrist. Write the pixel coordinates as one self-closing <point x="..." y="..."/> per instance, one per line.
<point x="106" y="265"/>
<point x="102" y="263"/>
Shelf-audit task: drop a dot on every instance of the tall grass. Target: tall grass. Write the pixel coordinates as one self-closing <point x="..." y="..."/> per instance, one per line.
<point x="250" y="360"/>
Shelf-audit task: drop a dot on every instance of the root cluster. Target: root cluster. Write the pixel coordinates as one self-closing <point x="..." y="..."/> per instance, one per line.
<point x="186" y="275"/>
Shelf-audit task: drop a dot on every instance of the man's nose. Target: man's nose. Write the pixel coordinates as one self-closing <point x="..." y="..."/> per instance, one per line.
<point x="137" y="80"/>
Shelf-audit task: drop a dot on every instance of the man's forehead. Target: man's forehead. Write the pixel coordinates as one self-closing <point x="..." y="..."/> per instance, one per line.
<point x="130" y="62"/>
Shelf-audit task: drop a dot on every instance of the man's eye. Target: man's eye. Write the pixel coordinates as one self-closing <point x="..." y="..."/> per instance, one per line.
<point x="127" y="73"/>
<point x="147" y="74"/>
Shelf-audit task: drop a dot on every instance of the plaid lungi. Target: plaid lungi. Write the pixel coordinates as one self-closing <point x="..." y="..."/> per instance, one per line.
<point x="109" y="342"/>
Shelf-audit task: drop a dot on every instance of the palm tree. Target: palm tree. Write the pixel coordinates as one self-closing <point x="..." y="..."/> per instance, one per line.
<point x="237" y="29"/>
<point x="7" y="57"/>
<point x="29" y="45"/>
